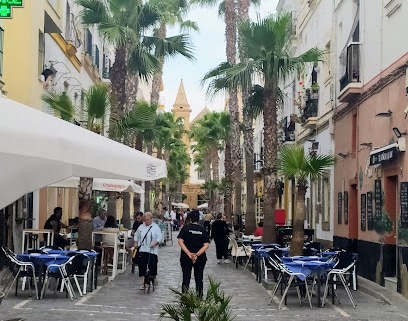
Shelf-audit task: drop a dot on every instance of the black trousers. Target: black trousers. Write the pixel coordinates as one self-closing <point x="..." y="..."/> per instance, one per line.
<point x="221" y="247"/>
<point x="186" y="266"/>
<point x="147" y="261"/>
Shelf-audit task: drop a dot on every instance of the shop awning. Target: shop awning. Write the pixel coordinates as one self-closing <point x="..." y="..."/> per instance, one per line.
<point x="103" y="184"/>
<point x="383" y="154"/>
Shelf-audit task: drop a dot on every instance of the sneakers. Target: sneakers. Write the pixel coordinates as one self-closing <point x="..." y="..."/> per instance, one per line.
<point x="218" y="261"/>
<point x="227" y="261"/>
<point x="141" y="288"/>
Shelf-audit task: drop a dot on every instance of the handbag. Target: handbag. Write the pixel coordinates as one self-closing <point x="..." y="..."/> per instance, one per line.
<point x="136" y="253"/>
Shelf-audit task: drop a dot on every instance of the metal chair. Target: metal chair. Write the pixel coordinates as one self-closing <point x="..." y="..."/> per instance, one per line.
<point x="293" y="277"/>
<point x="63" y="272"/>
<point x="345" y="267"/>
<point x="20" y="269"/>
<point x="236" y="251"/>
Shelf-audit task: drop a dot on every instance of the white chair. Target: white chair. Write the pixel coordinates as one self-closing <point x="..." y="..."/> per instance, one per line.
<point x="346" y="267"/>
<point x="249" y="251"/>
<point x="123" y="254"/>
<point x="297" y="277"/>
<point x="237" y="251"/>
<point x="20" y="269"/>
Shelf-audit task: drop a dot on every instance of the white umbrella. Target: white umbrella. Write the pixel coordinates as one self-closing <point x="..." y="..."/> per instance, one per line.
<point x="204" y="205"/>
<point x="180" y="205"/>
<point x="103" y="184"/>
<point x="37" y="149"/>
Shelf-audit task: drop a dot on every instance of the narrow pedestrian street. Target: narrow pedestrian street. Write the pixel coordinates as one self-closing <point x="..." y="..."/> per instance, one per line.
<point x="121" y="299"/>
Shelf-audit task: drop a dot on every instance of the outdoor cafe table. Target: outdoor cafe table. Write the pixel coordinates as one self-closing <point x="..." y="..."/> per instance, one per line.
<point x="40" y="261"/>
<point x="308" y="266"/>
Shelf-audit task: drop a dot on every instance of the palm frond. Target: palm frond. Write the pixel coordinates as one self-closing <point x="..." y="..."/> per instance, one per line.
<point x="97" y="100"/>
<point x="143" y="62"/>
<point x="61" y="103"/>
<point x="171" y="46"/>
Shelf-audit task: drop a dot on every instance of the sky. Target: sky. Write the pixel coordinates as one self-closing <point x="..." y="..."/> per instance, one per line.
<point x="209" y="51"/>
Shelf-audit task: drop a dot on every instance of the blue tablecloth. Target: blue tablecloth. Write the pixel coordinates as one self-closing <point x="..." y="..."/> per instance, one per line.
<point x="65" y="252"/>
<point x="304" y="258"/>
<point x="308" y="268"/>
<point x="40" y="260"/>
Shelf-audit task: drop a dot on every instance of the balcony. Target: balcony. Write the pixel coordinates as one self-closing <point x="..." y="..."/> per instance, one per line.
<point x="310" y="110"/>
<point x="350" y="85"/>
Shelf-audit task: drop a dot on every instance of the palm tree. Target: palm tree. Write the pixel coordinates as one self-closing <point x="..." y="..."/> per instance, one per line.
<point x="293" y="163"/>
<point x="266" y="45"/>
<point x="124" y="23"/>
<point x="97" y="104"/>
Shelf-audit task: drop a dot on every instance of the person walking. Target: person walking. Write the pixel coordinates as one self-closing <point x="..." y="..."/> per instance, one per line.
<point x="220" y="232"/>
<point x="148" y="236"/>
<point x="193" y="241"/>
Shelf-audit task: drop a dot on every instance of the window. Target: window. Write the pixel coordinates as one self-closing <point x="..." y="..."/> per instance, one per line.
<point x="41" y="52"/>
<point x="106" y="67"/>
<point x="88" y="42"/>
<point x="326" y="203"/>
<point x="95" y="58"/>
<point x="327" y="64"/>
<point x="1" y="51"/>
<point x="68" y="23"/>
<point x="200" y="174"/>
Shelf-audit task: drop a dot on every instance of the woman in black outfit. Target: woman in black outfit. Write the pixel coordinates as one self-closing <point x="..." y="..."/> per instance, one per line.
<point x="220" y="232"/>
<point x="194" y="241"/>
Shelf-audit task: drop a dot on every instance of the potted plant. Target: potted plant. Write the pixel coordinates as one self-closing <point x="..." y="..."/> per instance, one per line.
<point x="215" y="306"/>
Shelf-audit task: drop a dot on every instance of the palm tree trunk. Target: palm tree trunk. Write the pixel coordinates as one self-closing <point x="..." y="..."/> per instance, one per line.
<point x="111" y="210"/>
<point x="126" y="210"/>
<point x="270" y="156"/>
<point x="298" y="232"/>
<point x="157" y="207"/>
<point x="85" y="217"/>
<point x="132" y="84"/>
<point x="228" y="181"/>
<point x="216" y="177"/>
<point x="157" y="77"/>
<point x="250" y="222"/>
<point x="147" y="183"/>
<point x="231" y="53"/>
<point x="118" y="74"/>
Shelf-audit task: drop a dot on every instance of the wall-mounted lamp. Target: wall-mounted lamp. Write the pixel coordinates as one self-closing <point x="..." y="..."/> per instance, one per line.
<point x="367" y="144"/>
<point x="343" y="155"/>
<point x="315" y="145"/>
<point x="398" y="133"/>
<point x="384" y="114"/>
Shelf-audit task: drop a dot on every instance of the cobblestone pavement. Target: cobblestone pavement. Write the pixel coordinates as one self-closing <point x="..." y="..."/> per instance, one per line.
<point x="122" y="300"/>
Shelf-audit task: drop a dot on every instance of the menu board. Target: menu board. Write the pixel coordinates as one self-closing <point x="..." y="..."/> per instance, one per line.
<point x="363" y="205"/>
<point x="377" y="199"/>
<point x="404" y="204"/>
<point x="370" y="220"/>
<point x="339" y="207"/>
<point x="345" y="207"/>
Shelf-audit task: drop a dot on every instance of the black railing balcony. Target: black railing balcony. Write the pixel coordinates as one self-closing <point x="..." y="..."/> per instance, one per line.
<point x="311" y="106"/>
<point x="352" y="62"/>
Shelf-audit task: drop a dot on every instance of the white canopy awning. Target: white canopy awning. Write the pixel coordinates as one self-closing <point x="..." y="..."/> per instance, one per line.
<point x="204" y="205"/>
<point x="37" y="149"/>
<point x="103" y="184"/>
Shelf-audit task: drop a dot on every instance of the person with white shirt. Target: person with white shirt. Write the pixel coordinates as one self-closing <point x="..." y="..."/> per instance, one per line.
<point x="148" y="236"/>
<point x="173" y="218"/>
